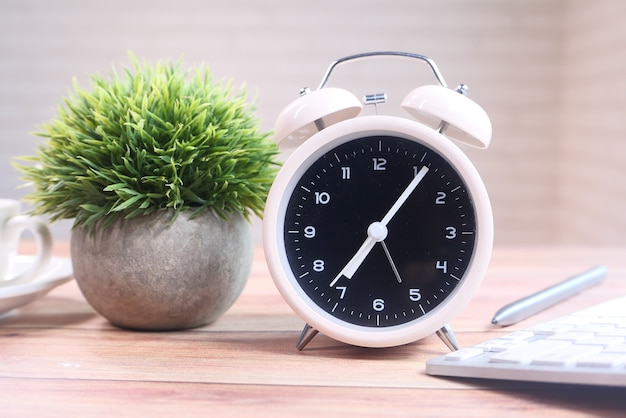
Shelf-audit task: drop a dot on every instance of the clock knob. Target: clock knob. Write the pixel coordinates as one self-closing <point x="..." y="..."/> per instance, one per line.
<point x="314" y="111"/>
<point x="451" y="112"/>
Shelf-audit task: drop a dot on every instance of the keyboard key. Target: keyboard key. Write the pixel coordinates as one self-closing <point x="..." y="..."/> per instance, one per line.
<point x="618" y="322"/>
<point x="550" y="328"/>
<point x="464" y="354"/>
<point x="499" y="345"/>
<point x="572" y="336"/>
<point x="523" y="354"/>
<point x="518" y="336"/>
<point x="611" y="320"/>
<point x="602" y="341"/>
<point x="615" y="332"/>
<point x="565" y="355"/>
<point x="593" y="328"/>
<point x="603" y="359"/>
<point x="616" y="349"/>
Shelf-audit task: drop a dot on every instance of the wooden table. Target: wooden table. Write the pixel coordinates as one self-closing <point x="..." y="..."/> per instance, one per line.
<point x="59" y="358"/>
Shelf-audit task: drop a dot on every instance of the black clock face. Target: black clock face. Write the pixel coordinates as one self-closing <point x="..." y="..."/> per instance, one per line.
<point x="379" y="231"/>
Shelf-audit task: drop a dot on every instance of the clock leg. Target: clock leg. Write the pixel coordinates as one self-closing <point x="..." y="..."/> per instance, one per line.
<point x="447" y="336"/>
<point x="306" y="336"/>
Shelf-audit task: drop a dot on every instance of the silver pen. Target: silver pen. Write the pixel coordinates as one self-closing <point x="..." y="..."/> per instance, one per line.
<point x="530" y="305"/>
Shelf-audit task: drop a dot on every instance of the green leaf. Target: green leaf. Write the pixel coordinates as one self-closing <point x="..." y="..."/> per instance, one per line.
<point x="124" y="205"/>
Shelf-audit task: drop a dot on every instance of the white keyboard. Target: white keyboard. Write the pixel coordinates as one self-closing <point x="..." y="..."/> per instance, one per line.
<point x="586" y="347"/>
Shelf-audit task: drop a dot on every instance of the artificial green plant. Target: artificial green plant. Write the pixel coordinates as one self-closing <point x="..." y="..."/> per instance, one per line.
<point x="149" y="138"/>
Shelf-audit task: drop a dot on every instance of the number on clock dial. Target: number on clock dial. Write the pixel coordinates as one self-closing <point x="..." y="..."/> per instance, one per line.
<point x="429" y="242"/>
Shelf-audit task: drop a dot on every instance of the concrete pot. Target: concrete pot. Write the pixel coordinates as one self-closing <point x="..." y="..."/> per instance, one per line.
<point x="146" y="273"/>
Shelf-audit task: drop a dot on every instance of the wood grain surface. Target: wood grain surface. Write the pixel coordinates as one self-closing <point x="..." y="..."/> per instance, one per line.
<point x="60" y="358"/>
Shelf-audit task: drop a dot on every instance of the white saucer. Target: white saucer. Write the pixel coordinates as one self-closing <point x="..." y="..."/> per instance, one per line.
<point x="59" y="271"/>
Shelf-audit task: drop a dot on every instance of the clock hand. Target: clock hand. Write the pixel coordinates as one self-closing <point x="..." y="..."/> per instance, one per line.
<point x="377" y="231"/>
<point x="393" y="265"/>
<point x="404" y="196"/>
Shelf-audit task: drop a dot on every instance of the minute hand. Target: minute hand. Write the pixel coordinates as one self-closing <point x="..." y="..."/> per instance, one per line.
<point x="404" y="196"/>
<point x="377" y="231"/>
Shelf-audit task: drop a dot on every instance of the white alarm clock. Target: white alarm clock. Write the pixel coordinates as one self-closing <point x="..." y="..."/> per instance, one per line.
<point x="378" y="229"/>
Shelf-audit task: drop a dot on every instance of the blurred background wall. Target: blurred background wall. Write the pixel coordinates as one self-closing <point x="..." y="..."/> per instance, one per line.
<point x="550" y="73"/>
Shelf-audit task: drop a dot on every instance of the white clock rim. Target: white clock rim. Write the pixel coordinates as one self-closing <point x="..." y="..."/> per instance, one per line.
<point x="273" y="239"/>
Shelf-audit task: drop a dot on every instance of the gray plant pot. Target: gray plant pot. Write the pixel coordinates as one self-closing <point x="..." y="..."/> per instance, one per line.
<point x="147" y="273"/>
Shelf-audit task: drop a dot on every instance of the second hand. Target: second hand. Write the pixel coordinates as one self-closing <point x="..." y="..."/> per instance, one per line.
<point x="393" y="265"/>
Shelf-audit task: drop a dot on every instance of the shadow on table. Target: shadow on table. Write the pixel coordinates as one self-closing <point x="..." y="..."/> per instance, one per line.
<point x="49" y="312"/>
<point x="601" y="401"/>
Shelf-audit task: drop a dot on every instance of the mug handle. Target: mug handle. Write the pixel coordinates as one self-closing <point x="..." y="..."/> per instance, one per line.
<point x="38" y="227"/>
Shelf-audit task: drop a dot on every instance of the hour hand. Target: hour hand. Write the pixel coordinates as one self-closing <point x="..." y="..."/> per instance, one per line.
<point x="356" y="261"/>
<point x="375" y="233"/>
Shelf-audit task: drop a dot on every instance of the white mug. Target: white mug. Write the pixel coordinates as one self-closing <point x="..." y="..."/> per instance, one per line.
<point x="12" y="225"/>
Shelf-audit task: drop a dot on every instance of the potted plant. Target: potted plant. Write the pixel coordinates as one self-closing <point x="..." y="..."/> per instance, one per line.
<point x="160" y="168"/>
